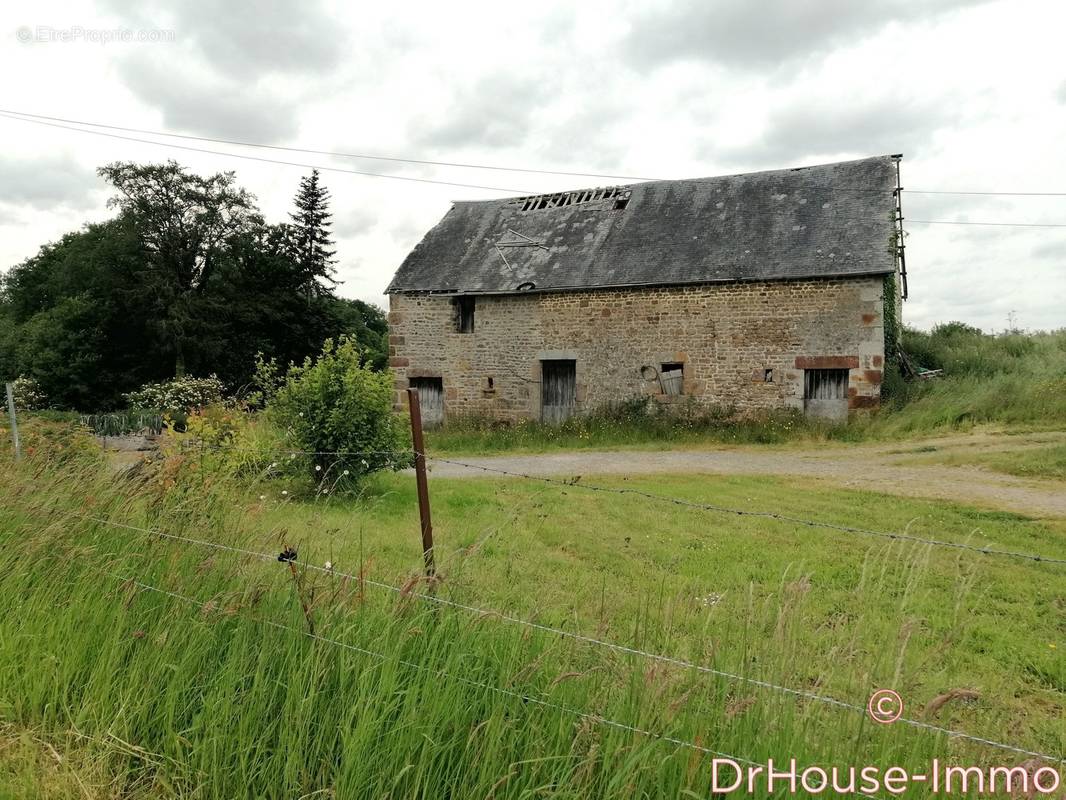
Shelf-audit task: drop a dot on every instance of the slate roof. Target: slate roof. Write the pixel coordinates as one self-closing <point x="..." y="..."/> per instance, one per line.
<point x="825" y="221"/>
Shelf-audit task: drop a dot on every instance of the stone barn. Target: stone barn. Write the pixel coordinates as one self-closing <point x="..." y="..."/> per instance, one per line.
<point x="769" y="290"/>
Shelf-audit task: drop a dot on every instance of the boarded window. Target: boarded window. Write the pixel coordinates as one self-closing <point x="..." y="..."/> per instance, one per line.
<point x="672" y="378"/>
<point x="558" y="389"/>
<point x="430" y="400"/>
<point x="464" y="314"/>
<point x="825" y="384"/>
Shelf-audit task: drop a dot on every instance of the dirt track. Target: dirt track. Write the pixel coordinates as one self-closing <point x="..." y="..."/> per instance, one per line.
<point x="893" y="468"/>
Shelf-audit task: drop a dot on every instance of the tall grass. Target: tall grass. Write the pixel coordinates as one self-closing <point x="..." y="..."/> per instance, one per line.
<point x="1012" y="379"/>
<point x="219" y="689"/>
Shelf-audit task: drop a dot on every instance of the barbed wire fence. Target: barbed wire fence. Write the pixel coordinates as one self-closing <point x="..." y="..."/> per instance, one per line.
<point x="418" y="458"/>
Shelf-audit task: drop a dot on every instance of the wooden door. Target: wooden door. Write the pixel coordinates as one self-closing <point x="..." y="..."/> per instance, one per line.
<point x="558" y="389"/>
<point x="430" y="400"/>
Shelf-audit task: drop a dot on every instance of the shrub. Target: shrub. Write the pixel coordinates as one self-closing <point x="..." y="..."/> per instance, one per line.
<point x="180" y="395"/>
<point x="338" y="412"/>
<point x="28" y="394"/>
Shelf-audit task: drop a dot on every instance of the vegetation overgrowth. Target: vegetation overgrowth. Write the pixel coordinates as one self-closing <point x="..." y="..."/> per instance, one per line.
<point x="264" y="678"/>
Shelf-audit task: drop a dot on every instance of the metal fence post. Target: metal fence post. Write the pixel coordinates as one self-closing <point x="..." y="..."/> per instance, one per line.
<point x="423" y="484"/>
<point x="14" y="422"/>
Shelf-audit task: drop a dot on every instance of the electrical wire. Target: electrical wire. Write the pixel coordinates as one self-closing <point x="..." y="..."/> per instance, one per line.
<point x="31" y="119"/>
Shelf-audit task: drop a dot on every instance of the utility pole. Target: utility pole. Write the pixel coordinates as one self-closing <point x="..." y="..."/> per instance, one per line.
<point x="14" y="423"/>
<point x="421" y="480"/>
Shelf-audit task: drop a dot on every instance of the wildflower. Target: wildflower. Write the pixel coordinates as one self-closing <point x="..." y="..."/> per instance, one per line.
<point x="284" y="492"/>
<point x="329" y="565"/>
<point x="318" y="467"/>
<point x="274" y="465"/>
<point x="262" y="497"/>
<point x="345" y="472"/>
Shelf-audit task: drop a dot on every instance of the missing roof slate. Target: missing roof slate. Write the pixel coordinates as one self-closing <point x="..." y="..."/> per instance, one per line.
<point x="539" y="202"/>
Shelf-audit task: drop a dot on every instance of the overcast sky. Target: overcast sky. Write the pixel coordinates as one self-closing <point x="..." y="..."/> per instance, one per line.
<point x="972" y="93"/>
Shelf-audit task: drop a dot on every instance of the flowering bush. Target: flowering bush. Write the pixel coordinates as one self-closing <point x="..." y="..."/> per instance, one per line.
<point x="28" y="394"/>
<point x="178" y="395"/>
<point x="337" y="413"/>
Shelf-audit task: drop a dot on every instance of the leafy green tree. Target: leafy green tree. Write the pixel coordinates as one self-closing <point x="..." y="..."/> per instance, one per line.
<point x="184" y="222"/>
<point x="368" y="325"/>
<point x="187" y="278"/>
<point x="74" y="321"/>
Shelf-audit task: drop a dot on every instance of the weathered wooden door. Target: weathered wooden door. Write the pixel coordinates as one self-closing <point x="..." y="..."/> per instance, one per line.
<point x="558" y="389"/>
<point x="825" y="394"/>
<point x="430" y="400"/>
<point x="672" y="378"/>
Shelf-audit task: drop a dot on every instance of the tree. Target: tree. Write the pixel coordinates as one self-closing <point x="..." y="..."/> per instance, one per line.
<point x="184" y="222"/>
<point x="312" y="241"/>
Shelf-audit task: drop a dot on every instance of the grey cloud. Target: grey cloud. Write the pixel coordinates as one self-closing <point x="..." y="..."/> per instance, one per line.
<point x="496" y="111"/>
<point x="211" y="107"/>
<point x="1062" y="93"/>
<point x="800" y="132"/>
<point x="1052" y="250"/>
<point x="244" y="41"/>
<point x="741" y="33"/>
<point x="47" y="183"/>
<point x="353" y="222"/>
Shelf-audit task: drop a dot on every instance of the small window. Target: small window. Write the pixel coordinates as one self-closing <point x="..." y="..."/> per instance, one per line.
<point x="768" y="376"/>
<point x="671" y="377"/>
<point x="464" y="314"/>
<point x="825" y="384"/>
<point x="621" y="203"/>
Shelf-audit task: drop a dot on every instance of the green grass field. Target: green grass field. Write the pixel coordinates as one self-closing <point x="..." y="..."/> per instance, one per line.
<point x="217" y="690"/>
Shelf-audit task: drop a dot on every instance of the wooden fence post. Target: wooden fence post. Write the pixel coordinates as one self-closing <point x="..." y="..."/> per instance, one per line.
<point x="14" y="422"/>
<point x="422" y="482"/>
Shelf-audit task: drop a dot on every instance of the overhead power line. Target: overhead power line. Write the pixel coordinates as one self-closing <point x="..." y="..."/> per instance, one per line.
<point x="266" y="160"/>
<point x="428" y="162"/>
<point x="334" y="153"/>
<point x="507" y="190"/>
<point x="998" y="224"/>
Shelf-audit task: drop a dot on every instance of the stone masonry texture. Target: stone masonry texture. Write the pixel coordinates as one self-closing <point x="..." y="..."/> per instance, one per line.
<point x="742" y="345"/>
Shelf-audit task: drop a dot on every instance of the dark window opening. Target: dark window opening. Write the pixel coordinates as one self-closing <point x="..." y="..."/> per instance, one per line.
<point x="825" y="384"/>
<point x="491" y="384"/>
<point x="430" y="400"/>
<point x="621" y="203"/>
<point x="768" y="375"/>
<point x="464" y="314"/>
<point x="671" y="377"/>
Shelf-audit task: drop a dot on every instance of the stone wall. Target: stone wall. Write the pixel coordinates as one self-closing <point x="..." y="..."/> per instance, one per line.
<point x="742" y="345"/>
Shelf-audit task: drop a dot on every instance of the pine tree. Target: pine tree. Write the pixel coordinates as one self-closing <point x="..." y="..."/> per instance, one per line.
<point x="312" y="241"/>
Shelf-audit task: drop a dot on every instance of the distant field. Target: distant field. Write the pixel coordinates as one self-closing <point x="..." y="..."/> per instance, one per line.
<point x="142" y="694"/>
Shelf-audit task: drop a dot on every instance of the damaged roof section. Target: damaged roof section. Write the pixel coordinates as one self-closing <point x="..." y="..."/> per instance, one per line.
<point x="826" y="221"/>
